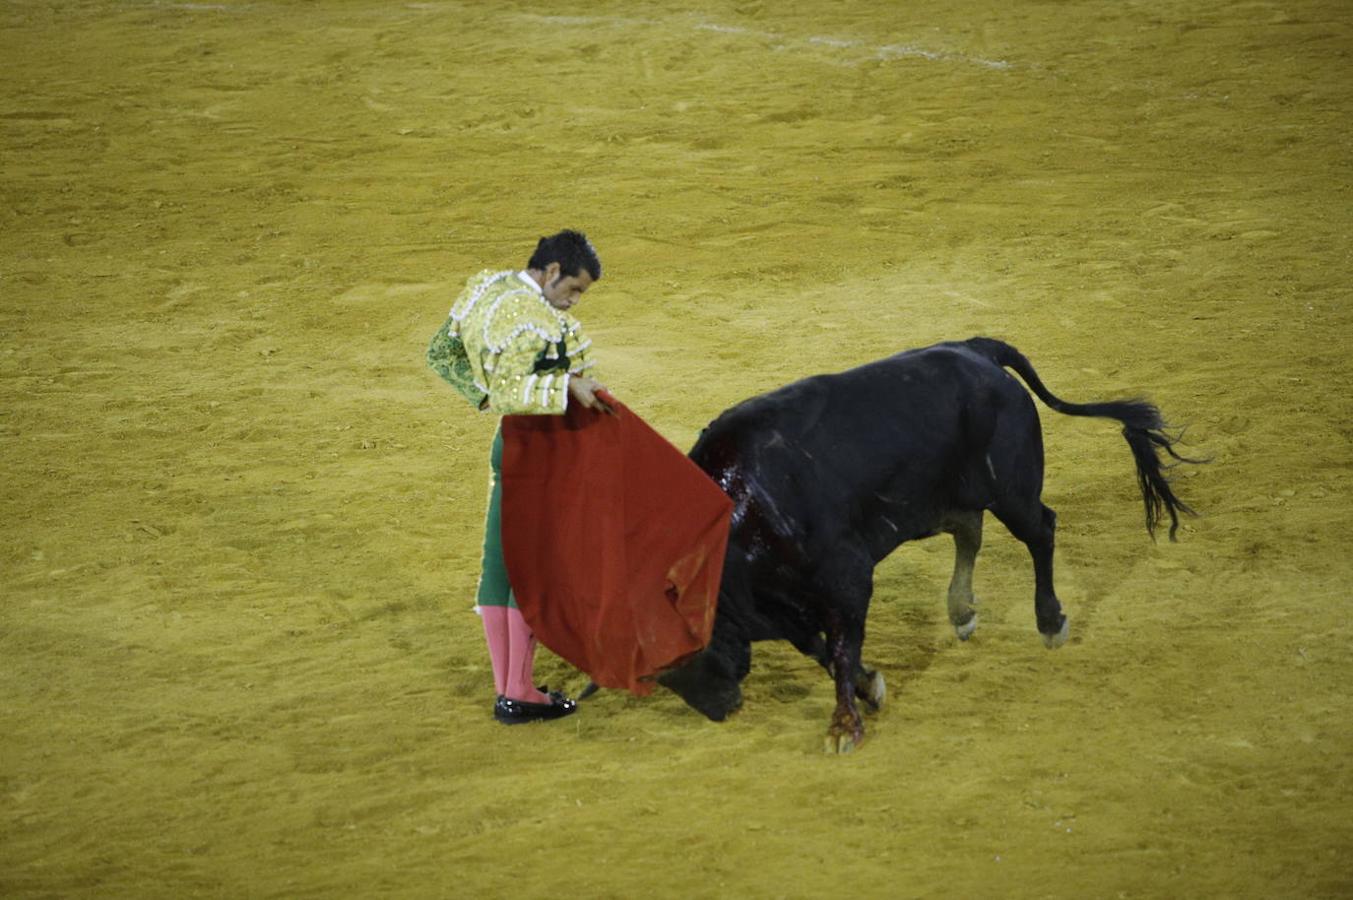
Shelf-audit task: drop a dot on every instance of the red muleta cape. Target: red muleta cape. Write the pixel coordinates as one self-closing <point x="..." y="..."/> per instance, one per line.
<point x="614" y="542"/>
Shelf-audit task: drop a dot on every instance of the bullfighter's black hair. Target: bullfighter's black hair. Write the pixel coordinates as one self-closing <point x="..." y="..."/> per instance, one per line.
<point x="571" y="249"/>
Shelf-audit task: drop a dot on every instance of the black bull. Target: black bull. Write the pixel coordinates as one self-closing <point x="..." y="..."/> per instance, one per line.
<point x="832" y="473"/>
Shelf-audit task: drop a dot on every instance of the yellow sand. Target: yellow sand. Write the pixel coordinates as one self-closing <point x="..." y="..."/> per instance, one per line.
<point x="240" y="517"/>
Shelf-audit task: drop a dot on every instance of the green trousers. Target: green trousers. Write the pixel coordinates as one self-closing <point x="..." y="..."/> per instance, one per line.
<point x="494" y="588"/>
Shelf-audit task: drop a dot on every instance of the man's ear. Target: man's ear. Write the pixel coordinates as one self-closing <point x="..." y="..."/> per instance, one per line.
<point x="551" y="272"/>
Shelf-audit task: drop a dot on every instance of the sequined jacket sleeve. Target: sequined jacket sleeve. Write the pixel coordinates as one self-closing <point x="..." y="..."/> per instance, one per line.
<point x="521" y="382"/>
<point x="531" y="374"/>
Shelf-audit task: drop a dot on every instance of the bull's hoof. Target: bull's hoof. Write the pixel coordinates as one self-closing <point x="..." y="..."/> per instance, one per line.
<point x="845" y="733"/>
<point x="878" y="690"/>
<point x="1053" y="641"/>
<point x="838" y="744"/>
<point x="965" y="630"/>
<point x="874" y="691"/>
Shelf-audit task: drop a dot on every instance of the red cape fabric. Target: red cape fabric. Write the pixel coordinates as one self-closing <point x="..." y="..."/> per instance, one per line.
<point x="614" y="542"/>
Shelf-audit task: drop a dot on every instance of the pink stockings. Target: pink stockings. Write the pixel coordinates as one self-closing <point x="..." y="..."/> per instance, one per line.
<point x="512" y="651"/>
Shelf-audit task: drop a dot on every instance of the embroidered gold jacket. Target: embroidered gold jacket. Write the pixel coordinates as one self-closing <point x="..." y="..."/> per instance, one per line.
<point x="507" y="349"/>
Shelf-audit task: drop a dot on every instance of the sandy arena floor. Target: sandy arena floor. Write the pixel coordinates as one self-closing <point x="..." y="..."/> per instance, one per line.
<point x="241" y="518"/>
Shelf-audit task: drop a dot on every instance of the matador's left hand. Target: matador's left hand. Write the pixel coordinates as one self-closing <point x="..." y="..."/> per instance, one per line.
<point x="586" y="391"/>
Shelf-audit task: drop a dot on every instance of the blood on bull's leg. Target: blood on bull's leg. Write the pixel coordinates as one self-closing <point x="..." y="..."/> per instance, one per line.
<point x="966" y="527"/>
<point x="846" y="731"/>
<point x="846" y="592"/>
<point x="870" y="685"/>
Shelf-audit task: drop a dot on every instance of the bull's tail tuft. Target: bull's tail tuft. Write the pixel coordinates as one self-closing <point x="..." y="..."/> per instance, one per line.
<point x="1143" y="427"/>
<point x="1157" y="494"/>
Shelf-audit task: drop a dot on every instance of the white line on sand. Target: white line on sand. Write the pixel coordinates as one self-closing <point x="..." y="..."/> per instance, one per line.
<point x="781" y="41"/>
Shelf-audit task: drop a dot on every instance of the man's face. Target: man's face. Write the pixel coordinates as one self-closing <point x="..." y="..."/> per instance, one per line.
<point x="564" y="291"/>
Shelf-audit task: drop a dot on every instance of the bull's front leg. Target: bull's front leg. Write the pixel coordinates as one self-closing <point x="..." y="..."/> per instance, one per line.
<point x="845" y="587"/>
<point x="844" y="641"/>
<point x="870" y="685"/>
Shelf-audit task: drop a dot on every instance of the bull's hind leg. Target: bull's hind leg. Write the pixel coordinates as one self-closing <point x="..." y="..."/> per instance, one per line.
<point x="1036" y="525"/>
<point x="1015" y="460"/>
<point x="966" y="527"/>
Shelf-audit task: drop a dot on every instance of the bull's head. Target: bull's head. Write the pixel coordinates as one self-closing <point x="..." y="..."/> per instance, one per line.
<point x="710" y="681"/>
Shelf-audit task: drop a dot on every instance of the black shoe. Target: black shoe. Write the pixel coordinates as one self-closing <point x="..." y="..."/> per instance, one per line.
<point x="515" y="712"/>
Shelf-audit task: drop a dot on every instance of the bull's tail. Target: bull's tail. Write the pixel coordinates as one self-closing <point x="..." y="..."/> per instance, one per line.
<point x="1143" y="428"/>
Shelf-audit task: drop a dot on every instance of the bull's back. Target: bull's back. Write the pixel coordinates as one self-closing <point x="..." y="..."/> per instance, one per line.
<point x="828" y="449"/>
<point x="914" y="391"/>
